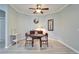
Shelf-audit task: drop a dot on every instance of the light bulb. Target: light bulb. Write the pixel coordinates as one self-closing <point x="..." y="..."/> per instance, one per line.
<point x="38" y="10"/>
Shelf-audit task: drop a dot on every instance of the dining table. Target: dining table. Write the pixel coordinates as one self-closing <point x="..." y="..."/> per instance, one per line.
<point x="36" y="36"/>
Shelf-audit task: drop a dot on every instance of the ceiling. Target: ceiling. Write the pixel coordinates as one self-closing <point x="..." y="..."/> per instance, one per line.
<point x="24" y="8"/>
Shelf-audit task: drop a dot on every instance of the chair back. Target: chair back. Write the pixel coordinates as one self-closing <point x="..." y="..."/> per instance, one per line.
<point x="26" y="35"/>
<point x="40" y="32"/>
<point x="32" y="32"/>
<point x="46" y="34"/>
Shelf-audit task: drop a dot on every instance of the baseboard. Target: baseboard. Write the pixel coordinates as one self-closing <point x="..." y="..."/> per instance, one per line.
<point x="52" y="39"/>
<point x="76" y="51"/>
<point x="6" y="47"/>
<point x="9" y="45"/>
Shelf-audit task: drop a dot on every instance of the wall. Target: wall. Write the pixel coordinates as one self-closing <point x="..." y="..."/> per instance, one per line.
<point x="11" y="23"/>
<point x="67" y="24"/>
<point x="25" y="23"/>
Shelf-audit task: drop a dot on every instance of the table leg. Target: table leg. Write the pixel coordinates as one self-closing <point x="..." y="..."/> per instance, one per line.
<point x="32" y="42"/>
<point x="47" y="43"/>
<point x="40" y="43"/>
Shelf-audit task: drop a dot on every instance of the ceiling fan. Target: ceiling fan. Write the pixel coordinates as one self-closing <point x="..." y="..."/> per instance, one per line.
<point x="38" y="9"/>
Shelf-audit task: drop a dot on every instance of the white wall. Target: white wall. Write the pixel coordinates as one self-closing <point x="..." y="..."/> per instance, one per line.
<point x="25" y="23"/>
<point x="67" y="24"/>
<point x="11" y="25"/>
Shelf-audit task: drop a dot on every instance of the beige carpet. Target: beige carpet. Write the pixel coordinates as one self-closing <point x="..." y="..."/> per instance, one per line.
<point x="54" y="47"/>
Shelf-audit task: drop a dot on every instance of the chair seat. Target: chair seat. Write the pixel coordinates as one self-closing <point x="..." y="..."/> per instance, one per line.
<point x="29" y="38"/>
<point x="44" y="40"/>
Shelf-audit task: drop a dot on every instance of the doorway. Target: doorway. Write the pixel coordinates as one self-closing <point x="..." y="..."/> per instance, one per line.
<point x="2" y="29"/>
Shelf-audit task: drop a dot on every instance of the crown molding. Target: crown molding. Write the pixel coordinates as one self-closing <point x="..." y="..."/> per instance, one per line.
<point x="56" y="11"/>
<point x="60" y="9"/>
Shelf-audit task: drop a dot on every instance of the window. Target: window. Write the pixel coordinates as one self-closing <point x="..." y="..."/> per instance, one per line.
<point x="50" y="24"/>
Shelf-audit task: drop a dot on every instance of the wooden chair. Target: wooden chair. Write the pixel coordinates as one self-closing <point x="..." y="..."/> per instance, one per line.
<point x="32" y="32"/>
<point x="44" y="40"/>
<point x="28" y="40"/>
<point x="40" y="32"/>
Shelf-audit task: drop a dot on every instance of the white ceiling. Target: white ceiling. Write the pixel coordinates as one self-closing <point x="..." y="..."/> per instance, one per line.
<point x="24" y="8"/>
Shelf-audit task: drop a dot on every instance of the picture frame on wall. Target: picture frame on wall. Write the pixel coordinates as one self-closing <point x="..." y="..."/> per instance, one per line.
<point x="50" y="24"/>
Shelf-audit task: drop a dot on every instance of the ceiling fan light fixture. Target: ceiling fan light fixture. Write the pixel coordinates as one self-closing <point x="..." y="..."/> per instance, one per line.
<point x="38" y="10"/>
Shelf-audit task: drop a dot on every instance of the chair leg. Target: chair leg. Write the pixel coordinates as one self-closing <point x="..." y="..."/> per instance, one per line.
<point x="25" y="43"/>
<point x="47" y="44"/>
<point x="40" y="43"/>
<point x="32" y="42"/>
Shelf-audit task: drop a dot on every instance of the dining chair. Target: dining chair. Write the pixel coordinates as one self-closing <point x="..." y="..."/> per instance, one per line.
<point x="40" y="32"/>
<point x="44" y="40"/>
<point x="28" y="39"/>
<point x="32" y="32"/>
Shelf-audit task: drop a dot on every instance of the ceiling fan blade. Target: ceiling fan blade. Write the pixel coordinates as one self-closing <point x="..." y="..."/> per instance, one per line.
<point x="34" y="12"/>
<point x="44" y="8"/>
<point x="41" y="12"/>
<point x="32" y="8"/>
